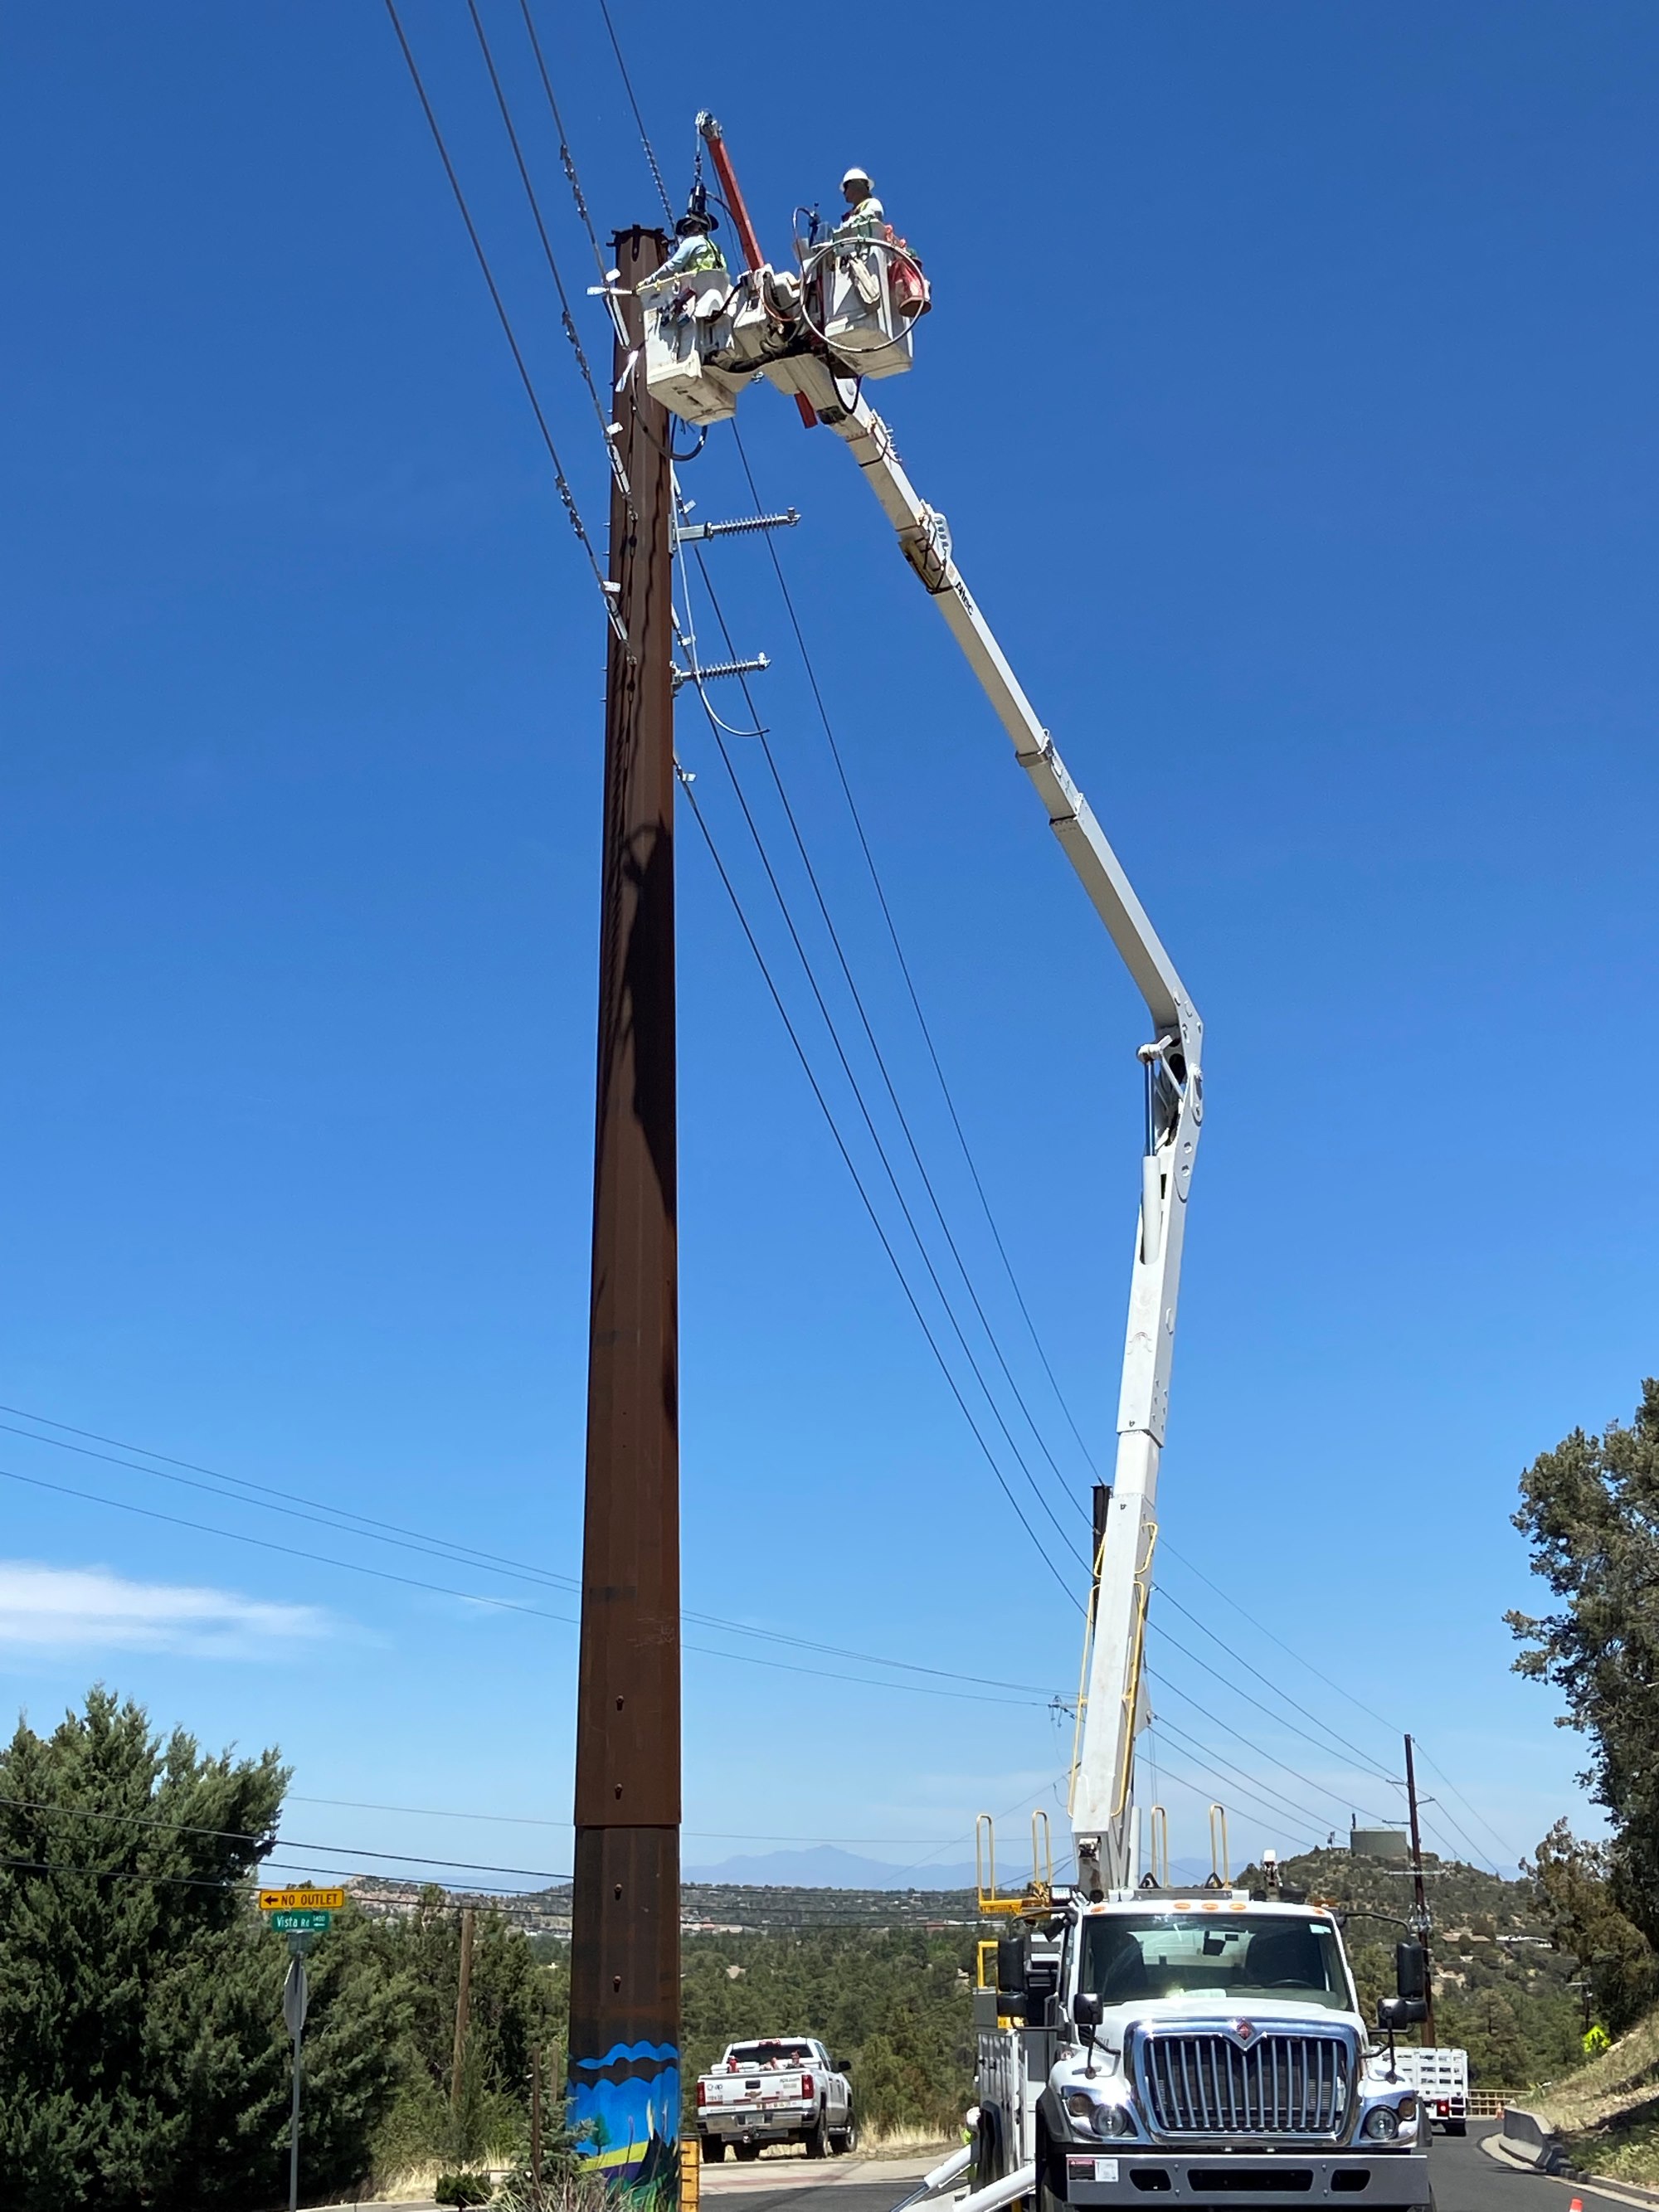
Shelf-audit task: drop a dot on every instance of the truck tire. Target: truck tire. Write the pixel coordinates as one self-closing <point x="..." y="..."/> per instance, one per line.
<point x="1457" y="2127"/>
<point x="849" y="2137"/>
<point x="714" y="2149"/>
<point x="817" y="2138"/>
<point x="747" y="2151"/>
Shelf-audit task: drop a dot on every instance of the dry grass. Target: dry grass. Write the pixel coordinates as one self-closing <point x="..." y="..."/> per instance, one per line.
<point x="1608" y="2114"/>
<point x="904" y="2142"/>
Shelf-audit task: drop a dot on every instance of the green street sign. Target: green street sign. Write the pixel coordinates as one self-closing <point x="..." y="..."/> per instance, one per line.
<point x="300" y="1923"/>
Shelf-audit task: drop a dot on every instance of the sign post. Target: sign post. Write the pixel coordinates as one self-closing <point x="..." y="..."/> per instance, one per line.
<point x="302" y="1914"/>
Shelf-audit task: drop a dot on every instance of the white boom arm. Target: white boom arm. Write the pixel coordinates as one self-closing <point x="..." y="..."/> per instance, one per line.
<point x="1115" y="1708"/>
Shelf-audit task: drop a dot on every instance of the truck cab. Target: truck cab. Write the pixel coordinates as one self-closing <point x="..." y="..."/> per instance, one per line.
<point x="1194" y="2047"/>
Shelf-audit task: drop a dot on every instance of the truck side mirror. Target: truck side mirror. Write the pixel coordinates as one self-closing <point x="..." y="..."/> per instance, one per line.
<point x="1085" y="2018"/>
<point x="1411" y="1970"/>
<point x="1011" y="1967"/>
<point x="1396" y="2012"/>
<point x="843" y="2066"/>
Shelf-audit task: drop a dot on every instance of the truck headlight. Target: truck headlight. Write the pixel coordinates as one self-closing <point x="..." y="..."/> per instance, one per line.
<point x="1093" y="2116"/>
<point x="1383" y="2124"/>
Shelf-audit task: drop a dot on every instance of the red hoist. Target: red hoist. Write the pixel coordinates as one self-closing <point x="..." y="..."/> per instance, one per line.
<point x="1138" y="2038"/>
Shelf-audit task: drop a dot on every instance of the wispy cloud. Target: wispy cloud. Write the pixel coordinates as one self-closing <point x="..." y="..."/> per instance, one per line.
<point x="86" y="1608"/>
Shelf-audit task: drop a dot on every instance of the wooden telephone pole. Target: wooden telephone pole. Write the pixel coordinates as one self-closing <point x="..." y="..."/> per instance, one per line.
<point x="1420" y="1916"/>
<point x="625" y="1927"/>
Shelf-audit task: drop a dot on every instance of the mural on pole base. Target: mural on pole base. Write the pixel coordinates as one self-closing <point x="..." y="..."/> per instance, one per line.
<point x="624" y="2110"/>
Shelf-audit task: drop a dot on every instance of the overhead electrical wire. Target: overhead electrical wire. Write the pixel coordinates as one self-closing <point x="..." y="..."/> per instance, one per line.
<point x="903" y="963"/>
<point x="770" y="759"/>
<point x="645" y="136"/>
<point x="567" y="316"/>
<point x="1321" y="1789"/>
<point x="840" y="1145"/>
<point x="498" y="1604"/>
<point x="391" y="1532"/>
<point x="1364" y="1757"/>
<point x="566" y="493"/>
<point x="567" y="160"/>
<point x="858" y="1093"/>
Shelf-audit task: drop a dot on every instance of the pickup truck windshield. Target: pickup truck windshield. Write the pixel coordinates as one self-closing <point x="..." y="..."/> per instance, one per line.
<point x="769" y="2054"/>
<point x="1169" y="1954"/>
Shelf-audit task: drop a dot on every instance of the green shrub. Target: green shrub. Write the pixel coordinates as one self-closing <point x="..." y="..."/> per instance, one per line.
<point x="463" y="2189"/>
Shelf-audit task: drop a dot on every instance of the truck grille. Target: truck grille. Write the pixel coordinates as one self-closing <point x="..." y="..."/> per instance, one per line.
<point x="1211" y="2084"/>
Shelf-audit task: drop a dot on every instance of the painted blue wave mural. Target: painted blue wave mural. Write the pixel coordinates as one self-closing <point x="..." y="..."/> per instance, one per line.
<point x="625" y="2109"/>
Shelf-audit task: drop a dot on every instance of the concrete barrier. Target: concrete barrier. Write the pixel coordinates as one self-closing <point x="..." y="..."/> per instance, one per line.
<point x="1528" y="2138"/>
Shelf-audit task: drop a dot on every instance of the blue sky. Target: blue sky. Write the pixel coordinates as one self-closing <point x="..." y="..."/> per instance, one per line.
<point x="1290" y="393"/>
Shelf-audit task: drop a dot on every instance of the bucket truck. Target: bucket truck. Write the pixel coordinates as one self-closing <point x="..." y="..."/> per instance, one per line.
<point x="1141" y="2039"/>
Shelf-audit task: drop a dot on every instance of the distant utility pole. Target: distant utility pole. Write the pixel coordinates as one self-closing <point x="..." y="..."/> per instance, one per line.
<point x="624" y="2052"/>
<point x="463" y="2006"/>
<point x="1420" y="1915"/>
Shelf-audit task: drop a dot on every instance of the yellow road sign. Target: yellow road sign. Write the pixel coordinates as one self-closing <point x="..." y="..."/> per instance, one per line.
<point x="302" y="1900"/>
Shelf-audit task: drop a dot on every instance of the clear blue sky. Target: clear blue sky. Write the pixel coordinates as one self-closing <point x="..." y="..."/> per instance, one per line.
<point x="1291" y="393"/>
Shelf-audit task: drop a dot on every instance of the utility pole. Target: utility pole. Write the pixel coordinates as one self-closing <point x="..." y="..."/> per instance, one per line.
<point x="624" y="2055"/>
<point x="463" y="2006"/>
<point x="1420" y="1915"/>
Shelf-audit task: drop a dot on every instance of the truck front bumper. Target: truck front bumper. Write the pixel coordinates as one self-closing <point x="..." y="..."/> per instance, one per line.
<point x="1155" y="2179"/>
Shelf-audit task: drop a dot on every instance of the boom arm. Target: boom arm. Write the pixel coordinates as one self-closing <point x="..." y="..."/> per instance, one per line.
<point x="1116" y="1706"/>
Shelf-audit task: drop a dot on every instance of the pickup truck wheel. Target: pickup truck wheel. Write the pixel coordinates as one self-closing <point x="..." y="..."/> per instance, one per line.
<point x="849" y="2137"/>
<point x="747" y="2151"/>
<point x="817" y="2138"/>
<point x="714" y="2149"/>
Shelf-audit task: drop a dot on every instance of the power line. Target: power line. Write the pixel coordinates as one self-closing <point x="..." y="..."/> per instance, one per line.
<point x="613" y="457"/>
<point x="566" y="495"/>
<point x="645" y="136"/>
<point x="875" y="1219"/>
<point x="858" y="1093"/>
<point x="899" y="955"/>
<point x="1257" y="1748"/>
<point x="1278" y="1718"/>
<point x="1364" y="1757"/>
<point x="391" y="1532"/>
<point x="567" y="160"/>
<point x="476" y="1597"/>
<point x="1186" y="1781"/>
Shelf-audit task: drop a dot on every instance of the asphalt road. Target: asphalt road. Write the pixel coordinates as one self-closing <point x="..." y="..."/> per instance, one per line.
<point x="1465" y="2179"/>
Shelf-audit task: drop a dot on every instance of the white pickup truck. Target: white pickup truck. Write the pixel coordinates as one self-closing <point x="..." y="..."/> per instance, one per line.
<point x="778" y="2089"/>
<point x="1440" y="2075"/>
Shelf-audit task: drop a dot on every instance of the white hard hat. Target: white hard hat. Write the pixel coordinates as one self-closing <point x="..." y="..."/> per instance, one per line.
<point x="855" y="177"/>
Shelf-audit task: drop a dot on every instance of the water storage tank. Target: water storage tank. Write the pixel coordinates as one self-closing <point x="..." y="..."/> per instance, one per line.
<point x="1389" y="1845"/>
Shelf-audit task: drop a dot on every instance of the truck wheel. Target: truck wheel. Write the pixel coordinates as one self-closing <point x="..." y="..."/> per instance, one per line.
<point x="817" y="2138"/>
<point x="1457" y="2127"/>
<point x="714" y="2149"/>
<point x="747" y="2151"/>
<point x="849" y="2137"/>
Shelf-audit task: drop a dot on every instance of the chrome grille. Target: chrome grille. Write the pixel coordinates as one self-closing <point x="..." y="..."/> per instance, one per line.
<point x="1209" y="2083"/>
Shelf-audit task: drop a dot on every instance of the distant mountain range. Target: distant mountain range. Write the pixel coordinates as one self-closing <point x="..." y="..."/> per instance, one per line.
<point x="826" y="1866"/>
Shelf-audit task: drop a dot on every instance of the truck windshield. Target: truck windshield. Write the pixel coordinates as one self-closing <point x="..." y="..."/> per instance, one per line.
<point x="1129" y="1956"/>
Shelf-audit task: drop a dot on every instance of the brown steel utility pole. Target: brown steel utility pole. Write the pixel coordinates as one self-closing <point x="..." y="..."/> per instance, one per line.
<point x="625" y="1929"/>
<point x="1421" y="1915"/>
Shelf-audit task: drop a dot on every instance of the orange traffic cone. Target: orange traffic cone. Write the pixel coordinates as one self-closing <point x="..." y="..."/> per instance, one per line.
<point x="1576" y="2205"/>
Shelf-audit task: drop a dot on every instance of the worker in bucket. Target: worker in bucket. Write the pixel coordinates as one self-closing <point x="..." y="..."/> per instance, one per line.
<point x="697" y="252"/>
<point x="866" y="216"/>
